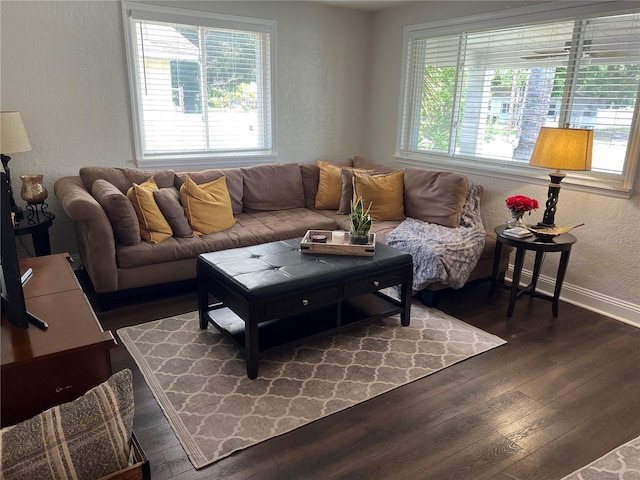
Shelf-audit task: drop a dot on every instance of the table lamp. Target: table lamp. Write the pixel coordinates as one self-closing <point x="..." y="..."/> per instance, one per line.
<point x="13" y="139"/>
<point x="560" y="149"/>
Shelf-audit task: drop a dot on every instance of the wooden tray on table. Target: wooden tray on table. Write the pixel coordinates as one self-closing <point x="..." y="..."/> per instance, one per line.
<point x="332" y="247"/>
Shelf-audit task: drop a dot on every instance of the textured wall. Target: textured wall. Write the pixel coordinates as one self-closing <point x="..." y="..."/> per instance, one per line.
<point x="63" y="66"/>
<point x="606" y="259"/>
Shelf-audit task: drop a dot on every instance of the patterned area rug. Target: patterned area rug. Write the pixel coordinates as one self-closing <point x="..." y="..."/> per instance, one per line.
<point x="199" y="377"/>
<point x="622" y="463"/>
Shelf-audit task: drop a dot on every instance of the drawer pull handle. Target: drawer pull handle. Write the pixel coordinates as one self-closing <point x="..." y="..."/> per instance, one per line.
<point x="60" y="389"/>
<point x="305" y="302"/>
<point x="376" y="283"/>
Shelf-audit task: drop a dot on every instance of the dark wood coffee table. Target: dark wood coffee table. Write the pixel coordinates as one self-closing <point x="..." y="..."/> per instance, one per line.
<point x="271" y="295"/>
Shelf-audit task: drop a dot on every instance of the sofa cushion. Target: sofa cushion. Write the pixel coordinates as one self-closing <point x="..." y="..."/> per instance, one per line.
<point x="119" y="210"/>
<point x="154" y="228"/>
<point x="434" y="197"/>
<point x="234" y="182"/>
<point x="311" y="178"/>
<point x="383" y="191"/>
<point x="366" y="164"/>
<point x="272" y="187"/>
<point x="168" y="200"/>
<point x="87" y="438"/>
<point x="207" y="206"/>
<point x="251" y="228"/>
<point x="123" y="178"/>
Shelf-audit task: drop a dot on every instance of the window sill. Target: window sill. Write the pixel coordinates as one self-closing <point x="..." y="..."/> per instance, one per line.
<point x="601" y="184"/>
<point x="200" y="162"/>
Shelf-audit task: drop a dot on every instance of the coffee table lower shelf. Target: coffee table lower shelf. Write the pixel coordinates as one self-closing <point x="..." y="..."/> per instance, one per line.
<point x="275" y="335"/>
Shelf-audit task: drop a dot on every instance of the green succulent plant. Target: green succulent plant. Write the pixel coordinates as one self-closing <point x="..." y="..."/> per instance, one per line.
<point x="360" y="219"/>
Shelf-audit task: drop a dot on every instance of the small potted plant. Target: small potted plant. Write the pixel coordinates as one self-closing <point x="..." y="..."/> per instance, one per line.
<point x="360" y="223"/>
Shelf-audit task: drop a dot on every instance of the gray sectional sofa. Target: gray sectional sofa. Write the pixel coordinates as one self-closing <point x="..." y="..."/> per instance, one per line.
<point x="269" y="202"/>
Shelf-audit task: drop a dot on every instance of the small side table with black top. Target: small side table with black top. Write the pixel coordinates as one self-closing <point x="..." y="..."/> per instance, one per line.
<point x="39" y="231"/>
<point x="561" y="243"/>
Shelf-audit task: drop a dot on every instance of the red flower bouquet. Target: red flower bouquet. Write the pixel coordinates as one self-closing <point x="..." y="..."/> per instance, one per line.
<point x="520" y="204"/>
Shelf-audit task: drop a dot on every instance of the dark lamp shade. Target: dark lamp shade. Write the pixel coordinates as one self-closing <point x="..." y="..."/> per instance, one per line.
<point x="13" y="136"/>
<point x="563" y="149"/>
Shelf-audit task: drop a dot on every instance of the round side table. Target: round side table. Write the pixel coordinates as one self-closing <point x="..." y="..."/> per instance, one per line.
<point x="561" y="243"/>
<point x="39" y="231"/>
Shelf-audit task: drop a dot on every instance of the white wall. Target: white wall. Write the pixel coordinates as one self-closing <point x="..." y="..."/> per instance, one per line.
<point x="63" y="67"/>
<point x="604" y="268"/>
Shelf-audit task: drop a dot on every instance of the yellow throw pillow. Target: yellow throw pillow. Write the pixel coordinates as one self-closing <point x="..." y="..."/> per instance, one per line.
<point x="153" y="226"/>
<point x="330" y="185"/>
<point x="207" y="206"/>
<point x="385" y="193"/>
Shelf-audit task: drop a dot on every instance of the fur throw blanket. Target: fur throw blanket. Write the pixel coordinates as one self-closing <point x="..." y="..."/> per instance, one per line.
<point x="443" y="254"/>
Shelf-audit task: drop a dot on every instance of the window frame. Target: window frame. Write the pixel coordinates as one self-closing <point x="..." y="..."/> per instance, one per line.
<point x="617" y="185"/>
<point x="132" y="11"/>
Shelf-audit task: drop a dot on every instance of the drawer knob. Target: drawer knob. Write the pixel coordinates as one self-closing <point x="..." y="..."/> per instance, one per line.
<point x="376" y="283"/>
<point x="305" y="302"/>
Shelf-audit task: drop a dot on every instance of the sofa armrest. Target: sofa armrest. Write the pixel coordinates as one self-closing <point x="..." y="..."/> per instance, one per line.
<point x="95" y="236"/>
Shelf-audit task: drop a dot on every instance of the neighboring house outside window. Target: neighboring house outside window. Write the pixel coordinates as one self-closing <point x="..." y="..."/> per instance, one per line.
<point x="476" y="99"/>
<point x="201" y="85"/>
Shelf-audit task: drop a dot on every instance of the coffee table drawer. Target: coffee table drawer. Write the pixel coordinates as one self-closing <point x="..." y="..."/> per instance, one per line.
<point x="301" y="302"/>
<point x="373" y="283"/>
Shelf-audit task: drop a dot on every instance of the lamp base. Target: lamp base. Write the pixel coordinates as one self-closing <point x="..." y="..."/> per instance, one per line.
<point x="548" y="220"/>
<point x="545" y="225"/>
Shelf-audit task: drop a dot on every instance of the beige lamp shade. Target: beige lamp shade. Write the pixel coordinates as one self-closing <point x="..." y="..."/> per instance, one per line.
<point x="563" y="149"/>
<point x="13" y="136"/>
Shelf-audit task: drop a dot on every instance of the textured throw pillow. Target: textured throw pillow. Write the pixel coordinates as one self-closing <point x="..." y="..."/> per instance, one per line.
<point x="435" y="197"/>
<point x="168" y="200"/>
<point x="208" y="206"/>
<point x="384" y="192"/>
<point x="330" y="186"/>
<point x="235" y="183"/>
<point x="119" y="210"/>
<point x="85" y="439"/>
<point x="311" y="178"/>
<point x="153" y="226"/>
<point x="347" y="188"/>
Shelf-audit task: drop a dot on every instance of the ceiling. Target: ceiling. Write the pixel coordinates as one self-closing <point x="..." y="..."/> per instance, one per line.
<point x="364" y="5"/>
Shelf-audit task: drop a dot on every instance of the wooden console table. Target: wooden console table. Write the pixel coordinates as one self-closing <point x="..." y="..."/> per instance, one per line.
<point x="39" y="368"/>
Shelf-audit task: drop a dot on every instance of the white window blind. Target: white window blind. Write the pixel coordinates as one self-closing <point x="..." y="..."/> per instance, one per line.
<point x="483" y="95"/>
<point x="201" y="84"/>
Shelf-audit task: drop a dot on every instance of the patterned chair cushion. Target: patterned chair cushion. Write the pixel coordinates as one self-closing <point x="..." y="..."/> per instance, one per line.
<point x="84" y="439"/>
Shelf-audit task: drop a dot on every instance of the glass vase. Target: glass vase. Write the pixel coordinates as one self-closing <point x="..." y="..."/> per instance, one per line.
<point x="516" y="219"/>
<point x="33" y="190"/>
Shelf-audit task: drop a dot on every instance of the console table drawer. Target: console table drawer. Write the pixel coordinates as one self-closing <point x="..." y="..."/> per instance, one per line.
<point x="301" y="302"/>
<point x="373" y="283"/>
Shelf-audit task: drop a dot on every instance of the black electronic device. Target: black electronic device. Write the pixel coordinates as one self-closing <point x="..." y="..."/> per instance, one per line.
<point x="11" y="279"/>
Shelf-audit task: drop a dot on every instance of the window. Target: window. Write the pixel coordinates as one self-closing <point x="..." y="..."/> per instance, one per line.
<point x="479" y="97"/>
<point x="201" y="85"/>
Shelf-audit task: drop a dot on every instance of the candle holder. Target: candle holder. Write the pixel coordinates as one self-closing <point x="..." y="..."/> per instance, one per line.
<point x="35" y="193"/>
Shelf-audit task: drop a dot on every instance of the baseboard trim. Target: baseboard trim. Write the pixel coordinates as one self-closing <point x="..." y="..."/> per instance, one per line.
<point x="615" y="308"/>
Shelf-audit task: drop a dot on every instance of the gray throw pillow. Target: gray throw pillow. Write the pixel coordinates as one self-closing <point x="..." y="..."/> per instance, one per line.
<point x="168" y="200"/>
<point x="86" y="439"/>
<point x="119" y="210"/>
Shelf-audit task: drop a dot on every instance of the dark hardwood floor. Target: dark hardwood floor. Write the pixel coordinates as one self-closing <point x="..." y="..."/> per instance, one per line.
<point x="559" y="395"/>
